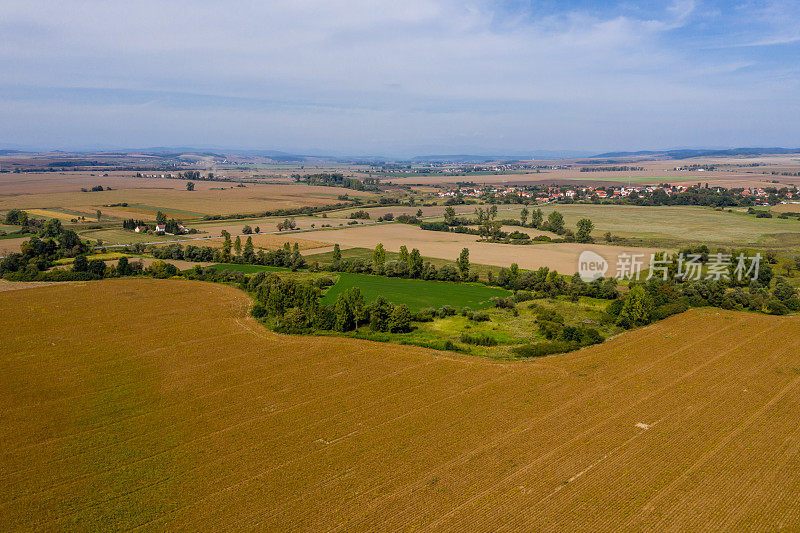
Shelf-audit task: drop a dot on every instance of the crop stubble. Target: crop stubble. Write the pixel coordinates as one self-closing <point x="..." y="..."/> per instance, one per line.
<point x="191" y="415"/>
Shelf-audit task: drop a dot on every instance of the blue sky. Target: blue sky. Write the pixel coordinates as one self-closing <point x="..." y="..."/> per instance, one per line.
<point x="400" y="78"/>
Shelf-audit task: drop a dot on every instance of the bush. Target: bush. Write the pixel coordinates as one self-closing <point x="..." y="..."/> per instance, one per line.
<point x="481" y="339"/>
<point x="581" y="335"/>
<point x="672" y="308"/>
<point x="258" y="311"/>
<point x="776" y="307"/>
<point x="400" y="319"/>
<point x="523" y="296"/>
<point x="504" y="303"/>
<point x="424" y="315"/>
<point x="480" y="317"/>
<point x="543" y="348"/>
<point x="445" y="311"/>
<point x="434" y="226"/>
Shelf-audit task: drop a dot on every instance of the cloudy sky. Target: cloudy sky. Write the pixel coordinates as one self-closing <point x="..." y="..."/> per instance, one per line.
<point x="400" y="77"/>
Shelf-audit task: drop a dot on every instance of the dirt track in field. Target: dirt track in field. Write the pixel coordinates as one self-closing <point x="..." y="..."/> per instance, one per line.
<point x="159" y="404"/>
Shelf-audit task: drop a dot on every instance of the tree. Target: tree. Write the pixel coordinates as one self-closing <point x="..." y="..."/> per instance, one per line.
<point x="247" y="230"/>
<point x="637" y="309"/>
<point x="122" y="266"/>
<point x="249" y="253"/>
<point x="343" y="320"/>
<point x="493" y="211"/>
<point x="96" y="267"/>
<point x="297" y="259"/>
<point x="189" y="185"/>
<point x="257" y="230"/>
<point x="348" y="309"/>
<point x="463" y="263"/>
<point x="99" y="214"/>
<point x="356" y="301"/>
<point x="161" y="218"/>
<point x="536" y="218"/>
<point x="52" y="228"/>
<point x="415" y="264"/>
<point x="379" y="255"/>
<point x="400" y="319"/>
<point x="585" y="227"/>
<point x="450" y="216"/>
<point x="379" y="313"/>
<point x="17" y="217"/>
<point x="419" y="213"/>
<point x="523" y="215"/>
<point x="237" y="245"/>
<point x="404" y="254"/>
<point x="337" y="253"/>
<point x="80" y="264"/>
<point x="555" y="222"/>
<point x="226" y="246"/>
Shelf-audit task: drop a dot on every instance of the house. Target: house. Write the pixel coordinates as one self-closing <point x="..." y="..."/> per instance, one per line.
<point x="161" y="228"/>
<point x="140" y="229"/>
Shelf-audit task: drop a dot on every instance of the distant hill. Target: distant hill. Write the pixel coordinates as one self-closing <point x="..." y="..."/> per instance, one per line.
<point x="688" y="153"/>
<point x="471" y="158"/>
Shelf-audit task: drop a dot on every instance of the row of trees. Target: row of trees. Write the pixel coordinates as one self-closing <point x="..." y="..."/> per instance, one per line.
<point x="490" y="227"/>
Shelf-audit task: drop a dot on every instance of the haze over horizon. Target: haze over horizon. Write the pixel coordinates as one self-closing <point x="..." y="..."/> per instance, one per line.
<point x="400" y="79"/>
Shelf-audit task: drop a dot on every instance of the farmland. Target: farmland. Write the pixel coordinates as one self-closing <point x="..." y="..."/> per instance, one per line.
<point x="415" y="293"/>
<point x="674" y="225"/>
<point x="559" y="256"/>
<point x="146" y="196"/>
<point x="228" y="425"/>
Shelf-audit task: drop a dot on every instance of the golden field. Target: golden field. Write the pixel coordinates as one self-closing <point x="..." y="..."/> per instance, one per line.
<point x="160" y="405"/>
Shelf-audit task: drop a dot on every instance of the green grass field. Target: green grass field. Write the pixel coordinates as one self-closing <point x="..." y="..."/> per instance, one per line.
<point x="415" y="293"/>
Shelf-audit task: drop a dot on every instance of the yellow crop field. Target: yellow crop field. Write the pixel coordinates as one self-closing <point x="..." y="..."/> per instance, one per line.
<point x="48" y="213"/>
<point x="161" y="405"/>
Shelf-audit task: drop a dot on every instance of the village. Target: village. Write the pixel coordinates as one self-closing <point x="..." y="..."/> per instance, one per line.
<point x="757" y="196"/>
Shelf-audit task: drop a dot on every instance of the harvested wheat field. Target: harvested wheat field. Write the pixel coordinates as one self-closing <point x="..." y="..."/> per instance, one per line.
<point x="562" y="257"/>
<point x="146" y="196"/>
<point x="160" y="405"/>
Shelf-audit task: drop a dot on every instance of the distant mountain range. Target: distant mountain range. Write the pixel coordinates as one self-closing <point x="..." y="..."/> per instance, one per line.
<point x="689" y="153"/>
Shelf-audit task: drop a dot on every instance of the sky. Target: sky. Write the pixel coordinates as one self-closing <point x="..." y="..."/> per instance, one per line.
<point x="399" y="78"/>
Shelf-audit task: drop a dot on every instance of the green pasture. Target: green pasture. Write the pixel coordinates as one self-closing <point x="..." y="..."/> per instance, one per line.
<point x="415" y="293"/>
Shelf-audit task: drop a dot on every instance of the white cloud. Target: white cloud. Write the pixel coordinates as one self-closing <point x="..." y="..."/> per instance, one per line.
<point x="288" y="70"/>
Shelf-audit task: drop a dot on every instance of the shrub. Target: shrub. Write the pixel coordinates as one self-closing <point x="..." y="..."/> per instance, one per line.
<point x="668" y="309"/>
<point x="776" y="307"/>
<point x="445" y="311"/>
<point x="480" y="317"/>
<point x="481" y="339"/>
<point x="258" y="311"/>
<point x="543" y="348"/>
